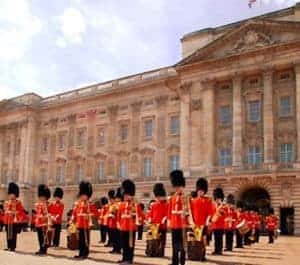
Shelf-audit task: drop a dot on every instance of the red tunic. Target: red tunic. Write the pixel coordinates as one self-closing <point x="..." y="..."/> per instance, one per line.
<point x="105" y="213"/>
<point x="13" y="212"/>
<point x="240" y="216"/>
<point x="42" y="214"/>
<point x="157" y="213"/>
<point x="271" y="222"/>
<point x="230" y="218"/>
<point x="177" y="212"/>
<point x="221" y="212"/>
<point x="112" y="215"/>
<point x="56" y="210"/>
<point x="100" y="216"/>
<point x="1" y="216"/>
<point x="83" y="212"/>
<point x="257" y="221"/>
<point x="201" y="209"/>
<point x="128" y="216"/>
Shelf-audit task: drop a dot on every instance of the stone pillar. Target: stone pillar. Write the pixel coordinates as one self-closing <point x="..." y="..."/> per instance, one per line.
<point x="237" y="122"/>
<point x="11" y="132"/>
<point x="185" y="118"/>
<point x="90" y="171"/>
<point x="23" y="127"/>
<point x="70" y="167"/>
<point x="297" y="74"/>
<point x="52" y="152"/>
<point x="268" y="117"/>
<point x="112" y="112"/>
<point x="2" y="129"/>
<point x="159" y="160"/>
<point x="208" y="125"/>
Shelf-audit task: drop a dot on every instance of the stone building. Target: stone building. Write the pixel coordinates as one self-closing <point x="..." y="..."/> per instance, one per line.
<point x="229" y="110"/>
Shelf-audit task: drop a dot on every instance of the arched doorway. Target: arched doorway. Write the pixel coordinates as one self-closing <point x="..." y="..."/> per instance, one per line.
<point x="258" y="197"/>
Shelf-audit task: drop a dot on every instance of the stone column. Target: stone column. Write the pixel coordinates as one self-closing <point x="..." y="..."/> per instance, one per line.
<point x="159" y="160"/>
<point x="90" y="172"/>
<point x="52" y="152"/>
<point x="11" y="133"/>
<point x="112" y="112"/>
<point x="208" y="125"/>
<point x="23" y="127"/>
<point x="185" y="118"/>
<point x="70" y="177"/>
<point x="2" y="129"/>
<point x="297" y="72"/>
<point x="237" y="122"/>
<point x="268" y="117"/>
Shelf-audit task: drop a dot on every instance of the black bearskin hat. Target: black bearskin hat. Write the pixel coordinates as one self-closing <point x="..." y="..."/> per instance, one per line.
<point x="177" y="178"/>
<point x="271" y="211"/>
<point x="159" y="190"/>
<point x="230" y="199"/>
<point x="239" y="204"/>
<point x="202" y="184"/>
<point x="58" y="192"/>
<point x="128" y="187"/>
<point x="85" y="188"/>
<point x="111" y="194"/>
<point x="44" y="191"/>
<point x="218" y="194"/>
<point x="104" y="201"/>
<point x="118" y="193"/>
<point x="13" y="188"/>
<point x="193" y="194"/>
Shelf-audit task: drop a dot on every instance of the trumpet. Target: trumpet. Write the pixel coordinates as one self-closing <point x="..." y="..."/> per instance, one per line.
<point x="218" y="213"/>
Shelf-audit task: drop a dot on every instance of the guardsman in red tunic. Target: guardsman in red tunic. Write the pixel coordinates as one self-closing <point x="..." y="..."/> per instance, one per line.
<point x="201" y="211"/>
<point x="82" y="216"/>
<point x="112" y="221"/>
<point x="177" y="217"/>
<point x="43" y="222"/>
<point x="109" y="216"/>
<point x="13" y="216"/>
<point x="128" y="217"/>
<point x="56" y="210"/>
<point x="101" y="219"/>
<point x="1" y="217"/>
<point x="218" y="220"/>
<point x="157" y="215"/>
<point x="230" y="221"/>
<point x="271" y="225"/>
<point x="257" y="224"/>
<point x="249" y="220"/>
<point x="240" y="217"/>
<point x="141" y="221"/>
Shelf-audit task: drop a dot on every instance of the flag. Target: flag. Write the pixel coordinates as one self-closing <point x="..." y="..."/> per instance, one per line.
<point x="251" y="2"/>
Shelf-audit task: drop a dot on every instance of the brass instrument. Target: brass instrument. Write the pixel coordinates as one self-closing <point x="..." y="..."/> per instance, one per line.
<point x="153" y="232"/>
<point x="48" y="235"/>
<point x="185" y="213"/>
<point x="218" y="213"/>
<point x="134" y="214"/>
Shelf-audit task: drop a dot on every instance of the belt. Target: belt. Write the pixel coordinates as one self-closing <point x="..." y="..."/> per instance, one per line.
<point x="126" y="216"/>
<point x="177" y="212"/>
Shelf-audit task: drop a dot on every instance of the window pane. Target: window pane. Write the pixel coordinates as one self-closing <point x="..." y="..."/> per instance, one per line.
<point x="147" y="168"/>
<point x="254" y="155"/>
<point x="79" y="173"/>
<point x="148" y="128"/>
<point x="123" y="169"/>
<point x="123" y="132"/>
<point x="174" y="126"/>
<point x="286" y="153"/>
<point x="225" y="115"/>
<point x="60" y="175"/>
<point x="174" y="162"/>
<point x="101" y="136"/>
<point x="285" y="106"/>
<point x="225" y="157"/>
<point x="254" y="111"/>
<point x="100" y="170"/>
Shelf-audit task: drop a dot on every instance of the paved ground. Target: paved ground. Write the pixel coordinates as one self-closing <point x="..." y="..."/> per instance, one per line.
<point x="286" y="250"/>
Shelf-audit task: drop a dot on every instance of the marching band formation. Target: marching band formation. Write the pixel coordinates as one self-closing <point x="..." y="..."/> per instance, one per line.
<point x="193" y="219"/>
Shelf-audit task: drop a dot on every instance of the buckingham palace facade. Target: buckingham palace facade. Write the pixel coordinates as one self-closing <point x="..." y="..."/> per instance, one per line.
<point x="229" y="110"/>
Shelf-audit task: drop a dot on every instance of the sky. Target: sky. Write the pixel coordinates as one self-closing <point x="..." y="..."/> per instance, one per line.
<point x="49" y="47"/>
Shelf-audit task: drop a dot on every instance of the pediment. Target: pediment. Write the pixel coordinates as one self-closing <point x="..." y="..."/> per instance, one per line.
<point x="250" y="36"/>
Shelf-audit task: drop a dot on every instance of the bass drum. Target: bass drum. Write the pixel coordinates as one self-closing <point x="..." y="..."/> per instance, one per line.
<point x="196" y="250"/>
<point x="72" y="241"/>
<point x="154" y="248"/>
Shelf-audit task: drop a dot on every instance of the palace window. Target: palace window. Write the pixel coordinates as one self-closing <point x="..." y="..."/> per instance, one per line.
<point x="225" y="115"/>
<point x="100" y="170"/>
<point x="80" y="137"/>
<point x="174" y="162"/>
<point x="148" y="128"/>
<point x="123" y="169"/>
<point x="147" y="167"/>
<point x="174" y="125"/>
<point x="101" y="138"/>
<point x="79" y="173"/>
<point x="254" y="111"/>
<point x="285" y="106"/>
<point x="123" y="133"/>
<point x="45" y="144"/>
<point x="61" y="141"/>
<point x="286" y="153"/>
<point x="254" y="155"/>
<point x="60" y="175"/>
<point x="225" y="157"/>
<point x="43" y="176"/>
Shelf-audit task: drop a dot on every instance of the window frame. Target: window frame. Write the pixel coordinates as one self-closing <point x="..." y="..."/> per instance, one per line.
<point x="250" y="111"/>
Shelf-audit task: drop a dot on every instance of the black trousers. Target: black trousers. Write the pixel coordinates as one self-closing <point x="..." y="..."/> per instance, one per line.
<point x="116" y="239"/>
<point x="218" y="236"/>
<point x="271" y="235"/>
<point x="239" y="239"/>
<point x="163" y="240"/>
<point x="11" y="236"/>
<point x="41" y="233"/>
<point x="178" y="248"/>
<point x="127" y="246"/>
<point x="247" y="240"/>
<point x="140" y="232"/>
<point x="257" y="232"/>
<point x="229" y="239"/>
<point x="110" y="236"/>
<point x="103" y="232"/>
<point x="56" y="238"/>
<point x="84" y="242"/>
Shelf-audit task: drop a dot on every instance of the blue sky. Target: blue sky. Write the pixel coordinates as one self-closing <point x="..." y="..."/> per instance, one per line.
<point x="53" y="46"/>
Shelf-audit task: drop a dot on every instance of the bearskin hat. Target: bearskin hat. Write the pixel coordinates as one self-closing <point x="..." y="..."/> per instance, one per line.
<point x="111" y="194"/>
<point x="85" y="188"/>
<point x="271" y="211"/>
<point x="58" y="192"/>
<point x="202" y="184"/>
<point x="128" y="187"/>
<point x="177" y="178"/>
<point x="193" y="194"/>
<point x="118" y="193"/>
<point x="44" y="191"/>
<point x="218" y="194"/>
<point x="103" y="201"/>
<point x="13" y="188"/>
<point x="239" y="204"/>
<point x="230" y="199"/>
<point x="159" y="190"/>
